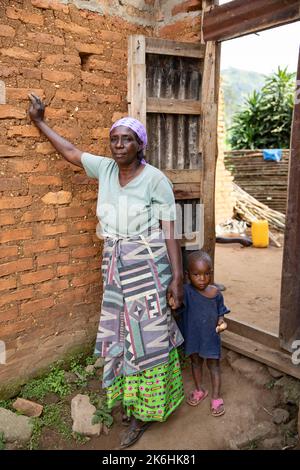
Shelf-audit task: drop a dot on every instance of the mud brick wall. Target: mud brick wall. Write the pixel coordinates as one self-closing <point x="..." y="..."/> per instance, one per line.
<point x="74" y="55"/>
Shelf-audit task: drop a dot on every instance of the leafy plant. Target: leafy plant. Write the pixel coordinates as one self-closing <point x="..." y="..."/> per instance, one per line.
<point x="77" y="366"/>
<point x="102" y="413"/>
<point x="54" y="382"/>
<point x="265" y="121"/>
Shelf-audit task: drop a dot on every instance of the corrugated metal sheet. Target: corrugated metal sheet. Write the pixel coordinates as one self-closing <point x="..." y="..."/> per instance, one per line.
<point x="173" y="139"/>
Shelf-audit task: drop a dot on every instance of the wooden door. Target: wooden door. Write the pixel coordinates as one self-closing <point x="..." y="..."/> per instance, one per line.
<point x="172" y="90"/>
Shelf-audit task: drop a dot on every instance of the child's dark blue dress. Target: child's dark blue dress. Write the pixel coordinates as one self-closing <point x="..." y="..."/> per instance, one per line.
<point x="198" y="320"/>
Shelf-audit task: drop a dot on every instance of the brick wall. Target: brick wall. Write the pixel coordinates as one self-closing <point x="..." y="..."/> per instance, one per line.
<point x="76" y="60"/>
<point x="74" y="55"/>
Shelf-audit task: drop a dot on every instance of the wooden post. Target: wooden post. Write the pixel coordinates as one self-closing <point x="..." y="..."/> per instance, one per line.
<point x="289" y="328"/>
<point x="137" y="77"/>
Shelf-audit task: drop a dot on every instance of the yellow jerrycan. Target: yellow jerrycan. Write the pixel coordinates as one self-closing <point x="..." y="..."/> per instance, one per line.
<point x="260" y="233"/>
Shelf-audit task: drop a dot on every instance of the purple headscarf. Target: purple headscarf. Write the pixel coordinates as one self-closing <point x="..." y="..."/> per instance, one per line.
<point x="134" y="125"/>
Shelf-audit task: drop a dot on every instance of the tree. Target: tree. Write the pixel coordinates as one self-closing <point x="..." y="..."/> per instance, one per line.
<point x="266" y="120"/>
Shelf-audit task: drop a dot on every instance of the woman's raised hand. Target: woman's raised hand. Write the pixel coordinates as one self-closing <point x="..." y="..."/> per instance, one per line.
<point x="37" y="108"/>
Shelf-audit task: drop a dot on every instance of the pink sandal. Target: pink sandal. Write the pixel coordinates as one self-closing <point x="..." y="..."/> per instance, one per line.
<point x="196" y="397"/>
<point x="217" y="407"/>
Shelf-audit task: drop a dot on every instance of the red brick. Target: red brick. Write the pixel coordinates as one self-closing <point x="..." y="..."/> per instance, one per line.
<point x="100" y="133"/>
<point x="10" y="314"/>
<point x="89" y="48"/>
<point x="22" y="93"/>
<point x="95" y="79"/>
<point x="119" y="54"/>
<point x="83" y="179"/>
<point x="6" y="71"/>
<point x="8" y="284"/>
<point x="52" y="287"/>
<point x="44" y="38"/>
<point x="111" y="36"/>
<point x="8" y="251"/>
<point x="69" y="133"/>
<point x="85" y="225"/>
<point x="66" y="95"/>
<point x="55" y="76"/>
<point x="50" y="4"/>
<point x="72" y="28"/>
<point x="19" y="294"/>
<point x="70" y="212"/>
<point x="10" y="184"/>
<point x="60" y="197"/>
<point x="62" y="59"/>
<point x="8" y="151"/>
<point x="117" y="115"/>
<point x="36" y="305"/>
<point x="86" y="115"/>
<point x="73" y="268"/>
<point x="39" y="276"/>
<point x="45" y="180"/>
<point x="88" y="196"/>
<point x="23" y="131"/>
<point x="39" y="246"/>
<point x="94" y="64"/>
<point x="15" y="234"/>
<point x="24" y="16"/>
<point x="31" y="73"/>
<point x="18" y="53"/>
<point x="48" y="230"/>
<point x="44" y="260"/>
<point x="10" y="112"/>
<point x="45" y="148"/>
<point x="7" y="31"/>
<point x="187" y="6"/>
<point x="15" y="202"/>
<point x="20" y="265"/>
<point x="36" y="216"/>
<point x="28" y="166"/>
<point x="73" y="296"/>
<point x="52" y="113"/>
<point x="6" y="219"/>
<point x="15" y="329"/>
<point x="86" y="252"/>
<point x="86" y="279"/>
<point x="74" y="240"/>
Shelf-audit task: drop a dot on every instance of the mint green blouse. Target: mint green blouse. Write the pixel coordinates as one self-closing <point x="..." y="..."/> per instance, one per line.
<point x="130" y="210"/>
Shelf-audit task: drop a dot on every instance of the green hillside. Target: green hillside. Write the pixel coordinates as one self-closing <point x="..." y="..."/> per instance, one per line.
<point x="236" y="85"/>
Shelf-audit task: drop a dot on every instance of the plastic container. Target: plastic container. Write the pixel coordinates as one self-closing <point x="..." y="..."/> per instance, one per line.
<point x="260" y="233"/>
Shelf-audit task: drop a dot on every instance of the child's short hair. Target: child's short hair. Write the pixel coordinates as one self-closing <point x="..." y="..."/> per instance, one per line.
<point x="200" y="255"/>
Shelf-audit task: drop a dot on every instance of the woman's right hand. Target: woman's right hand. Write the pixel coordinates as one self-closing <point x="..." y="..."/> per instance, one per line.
<point x="37" y="108"/>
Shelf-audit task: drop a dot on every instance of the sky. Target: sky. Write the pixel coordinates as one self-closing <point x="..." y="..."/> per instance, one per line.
<point x="265" y="51"/>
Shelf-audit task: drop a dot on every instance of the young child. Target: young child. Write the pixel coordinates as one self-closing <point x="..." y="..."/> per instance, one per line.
<point x="201" y="321"/>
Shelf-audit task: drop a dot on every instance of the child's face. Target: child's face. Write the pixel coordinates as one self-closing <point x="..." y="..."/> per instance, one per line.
<point x="200" y="274"/>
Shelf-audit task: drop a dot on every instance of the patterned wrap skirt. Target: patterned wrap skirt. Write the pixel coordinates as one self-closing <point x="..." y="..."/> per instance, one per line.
<point x="137" y="333"/>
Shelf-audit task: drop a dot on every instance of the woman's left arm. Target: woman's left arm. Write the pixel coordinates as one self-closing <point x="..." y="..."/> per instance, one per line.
<point x="175" y="289"/>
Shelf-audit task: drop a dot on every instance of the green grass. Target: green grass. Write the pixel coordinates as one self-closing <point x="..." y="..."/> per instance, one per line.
<point x="52" y="417"/>
<point x="53" y="382"/>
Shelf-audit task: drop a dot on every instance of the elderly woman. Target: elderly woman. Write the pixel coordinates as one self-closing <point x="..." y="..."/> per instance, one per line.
<point x="142" y="274"/>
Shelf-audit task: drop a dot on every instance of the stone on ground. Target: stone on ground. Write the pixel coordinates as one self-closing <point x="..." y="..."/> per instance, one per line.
<point x="28" y="408"/>
<point x="274" y="443"/>
<point x="258" y="432"/>
<point x="15" y="427"/>
<point x="280" y="416"/>
<point x="252" y="370"/>
<point x="82" y="412"/>
<point x="90" y="369"/>
<point x="99" y="363"/>
<point x="289" y="389"/>
<point x="276" y="374"/>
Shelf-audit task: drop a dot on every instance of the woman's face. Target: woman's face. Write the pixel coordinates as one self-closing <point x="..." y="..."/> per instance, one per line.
<point x="123" y="145"/>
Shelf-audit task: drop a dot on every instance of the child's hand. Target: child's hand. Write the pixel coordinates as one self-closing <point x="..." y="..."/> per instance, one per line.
<point x="221" y="327"/>
<point x="171" y="302"/>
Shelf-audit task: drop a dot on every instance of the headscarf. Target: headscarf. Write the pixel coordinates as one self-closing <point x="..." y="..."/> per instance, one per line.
<point x="134" y="125"/>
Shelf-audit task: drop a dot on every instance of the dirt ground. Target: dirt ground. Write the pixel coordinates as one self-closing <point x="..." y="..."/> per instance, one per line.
<point x="191" y="428"/>
<point x="252" y="277"/>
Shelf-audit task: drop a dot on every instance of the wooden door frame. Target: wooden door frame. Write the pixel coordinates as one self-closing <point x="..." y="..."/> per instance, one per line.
<point x="233" y="20"/>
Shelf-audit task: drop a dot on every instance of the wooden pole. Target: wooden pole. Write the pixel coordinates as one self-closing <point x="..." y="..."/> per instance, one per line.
<point x="289" y="328"/>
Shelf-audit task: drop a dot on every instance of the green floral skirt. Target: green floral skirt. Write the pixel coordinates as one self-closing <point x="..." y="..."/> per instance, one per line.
<point x="151" y="395"/>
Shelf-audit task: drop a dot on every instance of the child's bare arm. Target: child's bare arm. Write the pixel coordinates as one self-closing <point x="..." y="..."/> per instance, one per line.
<point x="221" y="325"/>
